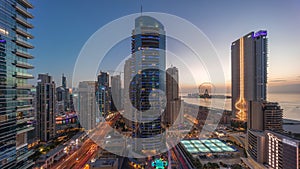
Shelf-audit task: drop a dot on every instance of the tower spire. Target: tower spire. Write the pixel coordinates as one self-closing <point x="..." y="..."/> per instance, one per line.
<point x="141" y="8"/>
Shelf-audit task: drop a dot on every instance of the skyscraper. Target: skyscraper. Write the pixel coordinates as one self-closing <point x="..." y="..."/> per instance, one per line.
<point x="116" y="92"/>
<point x="126" y="101"/>
<point x="45" y="107"/>
<point x="147" y="79"/>
<point x="103" y="93"/>
<point x="63" y="97"/>
<point x="87" y="107"/>
<point x="60" y="100"/>
<point x="15" y="100"/>
<point x="172" y="94"/>
<point x="264" y="115"/>
<point x="64" y="81"/>
<point x="249" y="71"/>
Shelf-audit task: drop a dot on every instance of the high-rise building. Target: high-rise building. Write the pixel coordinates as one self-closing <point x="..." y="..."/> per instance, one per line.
<point x="15" y="101"/>
<point x="264" y="115"/>
<point x="126" y="101"/>
<point x="249" y="71"/>
<point x="103" y="93"/>
<point x="64" y="81"/>
<point x="60" y="100"/>
<point x="172" y="94"/>
<point x="116" y="93"/>
<point x="282" y="151"/>
<point x="45" y="107"/>
<point x="66" y="93"/>
<point x="87" y="107"/>
<point x="147" y="79"/>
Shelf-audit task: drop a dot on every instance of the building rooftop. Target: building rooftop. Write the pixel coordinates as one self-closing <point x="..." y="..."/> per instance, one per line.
<point x="206" y="146"/>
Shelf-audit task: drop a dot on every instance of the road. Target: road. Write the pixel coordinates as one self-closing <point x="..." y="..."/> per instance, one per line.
<point x="89" y="148"/>
<point x="78" y="157"/>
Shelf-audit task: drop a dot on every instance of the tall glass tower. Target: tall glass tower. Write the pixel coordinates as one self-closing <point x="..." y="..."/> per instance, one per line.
<point x="103" y="94"/>
<point x="148" y="80"/>
<point x="16" y="111"/>
<point x="249" y="71"/>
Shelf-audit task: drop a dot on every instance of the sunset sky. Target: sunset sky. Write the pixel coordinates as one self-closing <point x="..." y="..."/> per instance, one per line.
<point x="63" y="27"/>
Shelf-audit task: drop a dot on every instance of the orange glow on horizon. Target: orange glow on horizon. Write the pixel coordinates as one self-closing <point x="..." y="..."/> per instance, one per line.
<point x="240" y="105"/>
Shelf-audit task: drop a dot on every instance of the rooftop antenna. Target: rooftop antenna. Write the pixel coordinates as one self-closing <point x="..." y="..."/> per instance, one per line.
<point x="141" y="8"/>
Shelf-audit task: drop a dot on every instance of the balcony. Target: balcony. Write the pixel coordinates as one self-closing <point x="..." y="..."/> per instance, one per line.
<point x="28" y="164"/>
<point x="25" y="155"/>
<point x="23" y="22"/>
<point x="23" y="120"/>
<point x="23" y="54"/>
<point x="23" y="43"/>
<point x="24" y="97"/>
<point x="26" y="3"/>
<point x="24" y="129"/>
<point x="23" y="11"/>
<point x="24" y="108"/>
<point x="23" y="65"/>
<point x="23" y="75"/>
<point x="23" y="86"/>
<point x="23" y="32"/>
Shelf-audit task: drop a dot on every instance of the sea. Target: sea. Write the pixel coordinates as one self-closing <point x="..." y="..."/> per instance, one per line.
<point x="290" y="103"/>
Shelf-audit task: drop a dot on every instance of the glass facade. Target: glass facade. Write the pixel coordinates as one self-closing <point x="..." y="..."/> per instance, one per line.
<point x="103" y="94"/>
<point x="16" y="111"/>
<point x="148" y="80"/>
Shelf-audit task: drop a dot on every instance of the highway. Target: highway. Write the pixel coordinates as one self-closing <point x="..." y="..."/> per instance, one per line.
<point x="88" y="150"/>
<point x="78" y="157"/>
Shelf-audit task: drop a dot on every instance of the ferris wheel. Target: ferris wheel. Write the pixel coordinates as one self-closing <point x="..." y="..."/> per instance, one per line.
<point x="206" y="90"/>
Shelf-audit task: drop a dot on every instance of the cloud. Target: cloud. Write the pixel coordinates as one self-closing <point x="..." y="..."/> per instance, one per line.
<point x="289" y="88"/>
<point x="278" y="80"/>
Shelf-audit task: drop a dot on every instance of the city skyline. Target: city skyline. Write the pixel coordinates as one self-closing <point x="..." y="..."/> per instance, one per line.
<point x="282" y="31"/>
<point x="112" y="85"/>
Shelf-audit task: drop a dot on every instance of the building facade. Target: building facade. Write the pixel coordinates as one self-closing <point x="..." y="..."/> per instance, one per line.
<point x="60" y="100"/>
<point x="16" y="108"/>
<point x="282" y="151"/>
<point x="249" y="71"/>
<point x="147" y="79"/>
<point x="116" y="104"/>
<point x="45" y="107"/>
<point x="87" y="107"/>
<point x="103" y="93"/>
<point x="172" y="95"/>
<point x="264" y="115"/>
<point x="126" y="101"/>
<point x="256" y="145"/>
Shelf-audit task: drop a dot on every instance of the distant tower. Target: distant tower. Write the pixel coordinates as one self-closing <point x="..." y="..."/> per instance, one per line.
<point x="87" y="107"/>
<point x="45" y="107"/>
<point x="249" y="71"/>
<point x="116" y="92"/>
<point x="64" y="81"/>
<point x="103" y="93"/>
<point x="172" y="94"/>
<point x="66" y="94"/>
<point x="127" y="104"/>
